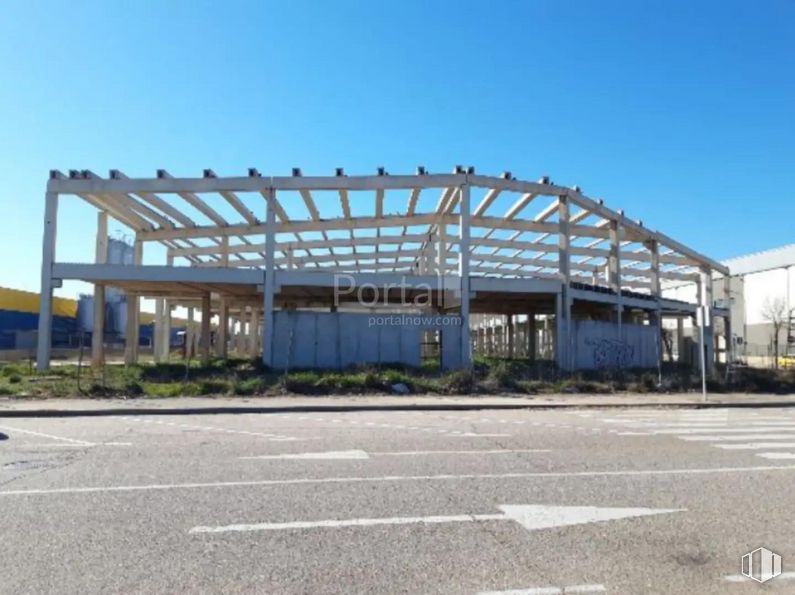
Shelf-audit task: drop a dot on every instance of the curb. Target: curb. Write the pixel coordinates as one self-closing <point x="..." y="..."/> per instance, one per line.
<point x="117" y="411"/>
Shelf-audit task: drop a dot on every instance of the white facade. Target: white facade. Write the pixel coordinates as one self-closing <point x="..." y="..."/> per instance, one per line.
<point x="756" y="279"/>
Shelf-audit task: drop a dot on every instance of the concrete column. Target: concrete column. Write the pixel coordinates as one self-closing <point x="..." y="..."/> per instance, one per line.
<point x="441" y="249"/>
<point x="531" y="337"/>
<point x="205" y="338"/>
<point x="100" y="257"/>
<point x="463" y="273"/>
<point x="680" y="341"/>
<point x="253" y="336"/>
<point x="727" y="323"/>
<point x="44" y="346"/>
<point x="222" y="345"/>
<point x="614" y="260"/>
<point x="560" y="334"/>
<point x="157" y="338"/>
<point x="190" y="331"/>
<point x="165" y="338"/>
<point x="510" y="336"/>
<point x="563" y="303"/>
<point x="225" y="251"/>
<point x="269" y="283"/>
<point x="242" y="334"/>
<point x="705" y="282"/>
<point x="162" y="336"/>
<point x="232" y="335"/>
<point x="133" y="314"/>
<point x="163" y="343"/>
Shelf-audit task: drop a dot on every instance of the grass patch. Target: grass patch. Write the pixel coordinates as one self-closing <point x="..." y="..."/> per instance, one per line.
<point x="249" y="377"/>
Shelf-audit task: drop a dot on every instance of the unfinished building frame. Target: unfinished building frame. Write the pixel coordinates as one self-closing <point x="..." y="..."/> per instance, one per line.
<point x="561" y="275"/>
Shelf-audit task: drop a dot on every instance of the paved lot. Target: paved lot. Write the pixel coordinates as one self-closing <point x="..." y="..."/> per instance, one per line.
<point x="576" y="501"/>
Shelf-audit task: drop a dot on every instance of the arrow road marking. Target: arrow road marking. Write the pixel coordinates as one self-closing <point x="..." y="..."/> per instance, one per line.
<point x="531" y="517"/>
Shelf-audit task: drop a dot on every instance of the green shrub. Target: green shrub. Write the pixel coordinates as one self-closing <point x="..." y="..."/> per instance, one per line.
<point x="14" y="379"/>
<point x="460" y="382"/>
<point x="252" y="386"/>
<point x="502" y="374"/>
<point x="10" y="370"/>
<point x="133" y="389"/>
<point x="213" y="387"/>
<point x="396" y="376"/>
<point x="167" y="389"/>
<point x="303" y="382"/>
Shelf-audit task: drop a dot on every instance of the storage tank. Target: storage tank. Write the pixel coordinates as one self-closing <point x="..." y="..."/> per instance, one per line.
<point x="85" y="313"/>
<point x="119" y="252"/>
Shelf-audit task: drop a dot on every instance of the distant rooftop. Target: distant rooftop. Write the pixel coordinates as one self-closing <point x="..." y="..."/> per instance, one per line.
<point x="757" y="262"/>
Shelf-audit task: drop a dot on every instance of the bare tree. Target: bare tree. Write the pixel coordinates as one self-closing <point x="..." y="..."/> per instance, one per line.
<point x="774" y="311"/>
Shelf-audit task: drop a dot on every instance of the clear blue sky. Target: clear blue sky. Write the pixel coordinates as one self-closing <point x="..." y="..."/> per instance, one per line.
<point x="681" y="113"/>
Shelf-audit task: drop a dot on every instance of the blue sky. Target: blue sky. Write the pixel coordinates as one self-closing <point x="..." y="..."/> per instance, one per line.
<point x="680" y="113"/>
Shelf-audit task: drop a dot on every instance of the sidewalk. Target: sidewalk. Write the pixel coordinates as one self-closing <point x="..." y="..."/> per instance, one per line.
<point x="300" y="404"/>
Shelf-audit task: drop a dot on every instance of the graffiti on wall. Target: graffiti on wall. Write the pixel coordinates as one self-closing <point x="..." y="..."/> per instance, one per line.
<point x="611" y="353"/>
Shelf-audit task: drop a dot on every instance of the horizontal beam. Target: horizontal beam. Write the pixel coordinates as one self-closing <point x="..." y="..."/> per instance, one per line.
<point x="116" y="272"/>
<point x="252" y="184"/>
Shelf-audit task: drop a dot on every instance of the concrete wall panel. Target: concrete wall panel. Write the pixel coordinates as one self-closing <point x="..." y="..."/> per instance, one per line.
<point x="340" y="339"/>
<point x="597" y="345"/>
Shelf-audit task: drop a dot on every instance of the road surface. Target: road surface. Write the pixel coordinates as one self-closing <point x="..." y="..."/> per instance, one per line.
<point x="536" y="502"/>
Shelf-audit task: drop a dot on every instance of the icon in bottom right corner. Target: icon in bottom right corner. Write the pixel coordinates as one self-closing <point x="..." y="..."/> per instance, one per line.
<point x="761" y="565"/>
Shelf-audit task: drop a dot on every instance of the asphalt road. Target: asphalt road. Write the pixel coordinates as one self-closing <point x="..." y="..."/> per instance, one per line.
<point x="537" y="502"/>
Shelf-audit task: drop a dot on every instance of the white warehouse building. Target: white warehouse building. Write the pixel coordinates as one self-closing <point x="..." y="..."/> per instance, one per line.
<point x="762" y="288"/>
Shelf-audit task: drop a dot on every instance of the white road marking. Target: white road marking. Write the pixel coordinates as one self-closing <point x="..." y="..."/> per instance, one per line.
<point x="274" y="437"/>
<point x="531" y="517"/>
<point x="69" y="445"/>
<point x="317" y="456"/>
<point x="789" y="436"/>
<point x="395" y="478"/>
<point x="410" y="453"/>
<point x="739" y="578"/>
<point x="361" y="454"/>
<point x="633" y="433"/>
<point x="777" y="455"/>
<point x="474" y="435"/>
<point x="735" y="430"/>
<point x="50" y="436"/>
<point x="574" y="589"/>
<point x="464" y="518"/>
<point x="755" y="445"/>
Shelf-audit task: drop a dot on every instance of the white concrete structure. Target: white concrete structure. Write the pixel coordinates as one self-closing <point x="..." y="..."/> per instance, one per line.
<point x="236" y="251"/>
<point x="756" y="280"/>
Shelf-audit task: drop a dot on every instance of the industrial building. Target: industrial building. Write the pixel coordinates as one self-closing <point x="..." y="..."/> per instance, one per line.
<point x="19" y="322"/>
<point x="326" y="271"/>
<point x="73" y="325"/>
<point x="761" y="287"/>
